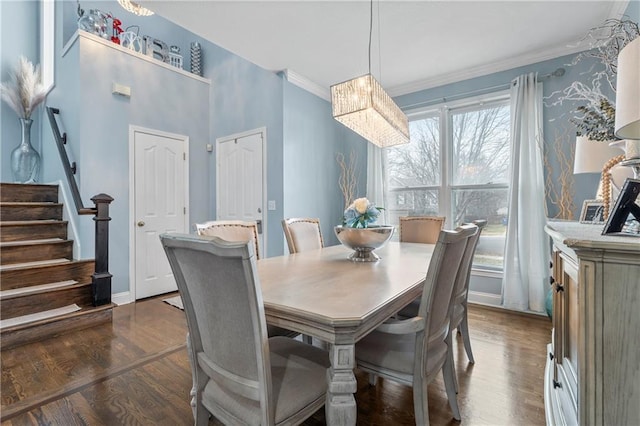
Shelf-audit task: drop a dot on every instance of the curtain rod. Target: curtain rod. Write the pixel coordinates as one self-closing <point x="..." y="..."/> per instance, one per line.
<point x="478" y="92"/>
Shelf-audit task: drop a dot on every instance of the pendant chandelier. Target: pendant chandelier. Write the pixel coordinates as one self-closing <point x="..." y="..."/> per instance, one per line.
<point x="362" y="105"/>
<point x="135" y="8"/>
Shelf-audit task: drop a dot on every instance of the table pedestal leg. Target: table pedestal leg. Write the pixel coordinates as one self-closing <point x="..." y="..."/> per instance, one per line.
<point x="340" y="407"/>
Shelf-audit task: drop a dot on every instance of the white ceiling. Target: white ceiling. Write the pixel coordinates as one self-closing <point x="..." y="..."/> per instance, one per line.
<point x="416" y="44"/>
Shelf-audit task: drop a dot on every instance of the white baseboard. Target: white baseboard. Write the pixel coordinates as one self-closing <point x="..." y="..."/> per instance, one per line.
<point x="481" y="298"/>
<point x="121" y="298"/>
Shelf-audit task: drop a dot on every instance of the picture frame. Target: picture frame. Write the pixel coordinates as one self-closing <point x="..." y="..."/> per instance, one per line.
<point x="624" y="218"/>
<point x="592" y="211"/>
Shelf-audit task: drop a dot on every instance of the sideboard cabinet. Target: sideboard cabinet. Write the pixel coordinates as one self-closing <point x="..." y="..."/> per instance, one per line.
<point x="592" y="376"/>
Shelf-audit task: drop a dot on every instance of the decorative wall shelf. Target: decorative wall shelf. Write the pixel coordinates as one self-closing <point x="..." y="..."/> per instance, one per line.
<point x="110" y="44"/>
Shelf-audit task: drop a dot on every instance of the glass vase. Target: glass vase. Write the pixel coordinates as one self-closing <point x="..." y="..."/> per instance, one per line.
<point x="25" y="160"/>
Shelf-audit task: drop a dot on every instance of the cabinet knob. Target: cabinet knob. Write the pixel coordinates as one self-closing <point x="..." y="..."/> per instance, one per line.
<point x="552" y="280"/>
<point x="550" y="264"/>
<point x="559" y="288"/>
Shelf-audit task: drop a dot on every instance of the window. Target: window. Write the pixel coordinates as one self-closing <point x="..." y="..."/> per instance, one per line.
<point x="456" y="165"/>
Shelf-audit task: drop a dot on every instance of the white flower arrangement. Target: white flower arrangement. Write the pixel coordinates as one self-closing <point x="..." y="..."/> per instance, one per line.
<point x="360" y="214"/>
<point x="25" y="91"/>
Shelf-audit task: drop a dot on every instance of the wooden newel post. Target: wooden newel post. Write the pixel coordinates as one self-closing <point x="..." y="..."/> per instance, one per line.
<point x="101" y="278"/>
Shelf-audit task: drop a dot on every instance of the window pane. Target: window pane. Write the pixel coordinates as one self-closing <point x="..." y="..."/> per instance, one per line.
<point x="418" y="162"/>
<point x="481" y="145"/>
<point x="418" y="202"/>
<point x="490" y="205"/>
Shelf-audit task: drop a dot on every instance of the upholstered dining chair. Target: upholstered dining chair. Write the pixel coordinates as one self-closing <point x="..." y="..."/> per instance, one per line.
<point x="240" y="375"/>
<point x="302" y="234"/>
<point x="421" y="229"/>
<point x="414" y="350"/>
<point x="231" y="230"/>
<point x="461" y="292"/>
<point x="237" y="230"/>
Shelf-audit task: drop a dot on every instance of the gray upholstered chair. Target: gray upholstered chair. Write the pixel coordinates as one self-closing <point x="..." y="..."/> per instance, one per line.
<point x="302" y="234"/>
<point x="240" y="375"/>
<point x="461" y="292"/>
<point x="237" y="230"/>
<point x="413" y="351"/>
<point x="421" y="229"/>
<point x="231" y="230"/>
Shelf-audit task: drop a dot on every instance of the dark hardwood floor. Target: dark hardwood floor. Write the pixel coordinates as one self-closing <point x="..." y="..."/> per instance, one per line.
<point x="135" y="371"/>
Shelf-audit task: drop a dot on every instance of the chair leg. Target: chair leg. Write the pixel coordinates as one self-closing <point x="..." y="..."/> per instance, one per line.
<point x="448" y="374"/>
<point x="464" y="330"/>
<point x="307" y="339"/>
<point x="372" y="379"/>
<point x="453" y="365"/>
<point x="420" y="401"/>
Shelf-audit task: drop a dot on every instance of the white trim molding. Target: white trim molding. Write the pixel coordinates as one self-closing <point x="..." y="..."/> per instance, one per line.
<point x="306" y="84"/>
<point x="123" y="298"/>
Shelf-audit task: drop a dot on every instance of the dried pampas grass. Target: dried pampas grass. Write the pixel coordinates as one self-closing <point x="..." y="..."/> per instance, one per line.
<point x="24" y="92"/>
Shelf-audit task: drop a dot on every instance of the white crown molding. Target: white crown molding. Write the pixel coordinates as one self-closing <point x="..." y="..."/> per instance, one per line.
<point x="616" y="11"/>
<point x="487" y="69"/>
<point x="306" y="84"/>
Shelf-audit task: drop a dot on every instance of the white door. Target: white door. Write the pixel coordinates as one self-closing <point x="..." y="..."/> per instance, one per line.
<point x="160" y="201"/>
<point x="239" y="177"/>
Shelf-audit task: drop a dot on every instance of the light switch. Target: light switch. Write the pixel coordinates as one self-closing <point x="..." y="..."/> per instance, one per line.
<point x="271" y="205"/>
<point x="209" y="147"/>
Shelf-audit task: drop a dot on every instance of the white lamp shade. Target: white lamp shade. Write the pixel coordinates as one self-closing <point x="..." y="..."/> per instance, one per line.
<point x="591" y="155"/>
<point x="628" y="92"/>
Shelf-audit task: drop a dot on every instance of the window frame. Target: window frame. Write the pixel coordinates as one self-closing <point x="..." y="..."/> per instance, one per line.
<point x="445" y="112"/>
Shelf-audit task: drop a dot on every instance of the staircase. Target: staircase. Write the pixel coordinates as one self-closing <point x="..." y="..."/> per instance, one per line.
<point x="43" y="291"/>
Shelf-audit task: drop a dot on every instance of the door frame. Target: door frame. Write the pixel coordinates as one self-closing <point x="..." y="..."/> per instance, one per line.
<point x="265" y="212"/>
<point x="132" y="186"/>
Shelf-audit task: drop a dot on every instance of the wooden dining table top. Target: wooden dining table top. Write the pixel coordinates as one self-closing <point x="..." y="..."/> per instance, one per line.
<point x="324" y="294"/>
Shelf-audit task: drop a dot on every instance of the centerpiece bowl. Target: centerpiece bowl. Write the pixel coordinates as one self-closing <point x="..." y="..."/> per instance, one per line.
<point x="364" y="240"/>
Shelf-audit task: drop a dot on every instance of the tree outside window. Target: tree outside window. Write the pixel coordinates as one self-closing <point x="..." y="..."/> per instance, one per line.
<point x="456" y="165"/>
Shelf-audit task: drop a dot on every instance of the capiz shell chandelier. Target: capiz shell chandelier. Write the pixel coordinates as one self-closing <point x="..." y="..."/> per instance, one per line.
<point x="363" y="106"/>
<point x="135" y="8"/>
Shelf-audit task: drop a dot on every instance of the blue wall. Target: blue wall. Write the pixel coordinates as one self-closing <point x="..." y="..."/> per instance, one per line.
<point x="19" y="35"/>
<point x="312" y="141"/>
<point x="302" y="138"/>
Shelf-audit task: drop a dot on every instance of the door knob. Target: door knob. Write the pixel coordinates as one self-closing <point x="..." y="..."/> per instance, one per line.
<point x="141" y="223"/>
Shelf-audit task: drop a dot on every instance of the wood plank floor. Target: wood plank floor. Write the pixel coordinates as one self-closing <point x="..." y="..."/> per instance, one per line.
<point x="135" y="371"/>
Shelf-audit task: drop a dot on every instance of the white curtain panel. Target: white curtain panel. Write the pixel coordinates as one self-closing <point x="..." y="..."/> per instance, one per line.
<point x="376" y="180"/>
<point x="526" y="259"/>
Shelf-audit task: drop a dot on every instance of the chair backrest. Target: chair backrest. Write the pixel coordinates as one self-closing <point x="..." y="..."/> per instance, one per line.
<point x="461" y="287"/>
<point x="436" y="301"/>
<point x="223" y="304"/>
<point x="302" y="234"/>
<point x="231" y="230"/>
<point x="421" y="229"/>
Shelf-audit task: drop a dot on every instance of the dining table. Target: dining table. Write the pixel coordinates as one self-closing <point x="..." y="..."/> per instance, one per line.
<point x="323" y="294"/>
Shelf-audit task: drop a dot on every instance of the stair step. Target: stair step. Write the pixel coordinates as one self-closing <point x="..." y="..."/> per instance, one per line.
<point x="23" y="265"/>
<point x="33" y="302"/>
<point x="53" y="327"/>
<point x="16" y="192"/>
<point x="30" y="211"/>
<point x="4" y="244"/>
<point x="22" y="276"/>
<point x="31" y="251"/>
<point x="23" y="291"/>
<point x="12" y="322"/>
<point x="32" y="229"/>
